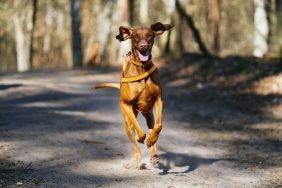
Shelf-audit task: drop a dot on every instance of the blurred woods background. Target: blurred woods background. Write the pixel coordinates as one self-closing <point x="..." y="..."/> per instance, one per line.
<point x="42" y="34"/>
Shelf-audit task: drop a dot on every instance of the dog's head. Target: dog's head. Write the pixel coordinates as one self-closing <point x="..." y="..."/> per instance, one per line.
<point x="142" y="38"/>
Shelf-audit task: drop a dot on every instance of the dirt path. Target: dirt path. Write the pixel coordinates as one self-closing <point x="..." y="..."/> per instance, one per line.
<point x="56" y="132"/>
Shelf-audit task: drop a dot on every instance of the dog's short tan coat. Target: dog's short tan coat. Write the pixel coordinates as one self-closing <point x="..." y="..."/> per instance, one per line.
<point x="141" y="95"/>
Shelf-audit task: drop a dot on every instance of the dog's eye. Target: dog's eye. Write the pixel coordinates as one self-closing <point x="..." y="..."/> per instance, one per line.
<point x="136" y="38"/>
<point x="150" y="37"/>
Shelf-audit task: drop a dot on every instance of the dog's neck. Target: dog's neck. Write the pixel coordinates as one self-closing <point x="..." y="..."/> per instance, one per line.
<point x="133" y="70"/>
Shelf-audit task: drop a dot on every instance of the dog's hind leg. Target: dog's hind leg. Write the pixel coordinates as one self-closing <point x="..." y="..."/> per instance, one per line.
<point x="128" y="114"/>
<point x="149" y="119"/>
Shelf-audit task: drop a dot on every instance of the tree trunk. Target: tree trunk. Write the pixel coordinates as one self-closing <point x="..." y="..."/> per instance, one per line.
<point x="23" y="36"/>
<point x="271" y="9"/>
<point x="169" y="9"/>
<point x="261" y="29"/>
<point x="131" y="12"/>
<point x="76" y="41"/>
<point x="215" y="25"/>
<point x="32" y="24"/>
<point x="47" y="33"/>
<point x="144" y="11"/>
<point x="104" y="30"/>
<point x="193" y="28"/>
<point x="22" y="63"/>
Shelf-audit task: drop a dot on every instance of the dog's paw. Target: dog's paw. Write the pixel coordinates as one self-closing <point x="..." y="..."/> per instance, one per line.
<point x="142" y="166"/>
<point x="135" y="165"/>
<point x="152" y="139"/>
<point x="141" y="138"/>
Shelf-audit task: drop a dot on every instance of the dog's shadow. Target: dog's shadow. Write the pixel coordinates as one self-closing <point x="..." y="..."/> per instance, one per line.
<point x="169" y="161"/>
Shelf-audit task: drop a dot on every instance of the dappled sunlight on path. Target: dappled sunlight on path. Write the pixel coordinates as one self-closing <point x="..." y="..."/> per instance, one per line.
<point x="57" y="132"/>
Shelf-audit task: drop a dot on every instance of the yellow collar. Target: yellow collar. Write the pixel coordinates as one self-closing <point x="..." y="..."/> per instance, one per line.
<point x="136" y="63"/>
<point x="139" y="77"/>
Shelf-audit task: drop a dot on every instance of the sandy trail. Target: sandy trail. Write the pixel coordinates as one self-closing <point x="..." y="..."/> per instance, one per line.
<point x="56" y="132"/>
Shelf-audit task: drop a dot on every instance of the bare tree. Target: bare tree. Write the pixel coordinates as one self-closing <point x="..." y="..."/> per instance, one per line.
<point x="131" y="12"/>
<point x="143" y="12"/>
<point x="272" y="17"/>
<point x="190" y="22"/>
<point x="76" y="40"/>
<point x="22" y="14"/>
<point x="215" y="25"/>
<point x="261" y="29"/>
<point x="32" y="24"/>
<point x="104" y="31"/>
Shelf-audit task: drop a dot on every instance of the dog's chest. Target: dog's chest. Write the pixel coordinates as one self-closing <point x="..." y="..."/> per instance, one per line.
<point x="144" y="90"/>
<point x="148" y="88"/>
<point x="147" y="96"/>
<point x="142" y="85"/>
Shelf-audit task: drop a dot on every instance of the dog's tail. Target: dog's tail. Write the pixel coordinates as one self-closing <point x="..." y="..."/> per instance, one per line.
<point x="107" y="85"/>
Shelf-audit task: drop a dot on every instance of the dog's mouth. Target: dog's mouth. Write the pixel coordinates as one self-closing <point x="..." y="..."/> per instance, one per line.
<point x="143" y="55"/>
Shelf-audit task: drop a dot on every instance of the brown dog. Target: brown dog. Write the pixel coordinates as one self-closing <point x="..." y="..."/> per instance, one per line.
<point x="140" y="88"/>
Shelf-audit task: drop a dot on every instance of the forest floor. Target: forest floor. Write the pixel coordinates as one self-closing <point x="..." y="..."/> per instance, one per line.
<point x="222" y="127"/>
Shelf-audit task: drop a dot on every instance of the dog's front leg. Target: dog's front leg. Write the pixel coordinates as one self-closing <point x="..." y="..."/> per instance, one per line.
<point x="158" y="125"/>
<point x="127" y="112"/>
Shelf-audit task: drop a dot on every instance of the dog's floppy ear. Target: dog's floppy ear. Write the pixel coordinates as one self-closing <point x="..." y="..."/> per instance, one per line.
<point x="159" y="28"/>
<point x="124" y="33"/>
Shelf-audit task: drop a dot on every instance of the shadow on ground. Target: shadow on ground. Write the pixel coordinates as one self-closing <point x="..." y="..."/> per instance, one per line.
<point x="7" y="86"/>
<point x="170" y="160"/>
<point x="208" y="97"/>
<point x="54" y="129"/>
<point x="216" y="97"/>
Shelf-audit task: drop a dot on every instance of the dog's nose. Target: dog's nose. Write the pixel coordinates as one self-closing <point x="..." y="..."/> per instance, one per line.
<point x="143" y="46"/>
